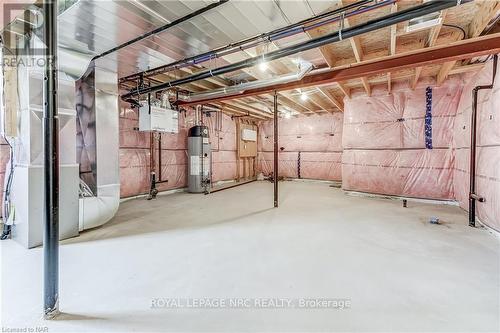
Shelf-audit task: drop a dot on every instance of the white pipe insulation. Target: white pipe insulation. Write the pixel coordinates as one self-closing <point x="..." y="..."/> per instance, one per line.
<point x="304" y="68"/>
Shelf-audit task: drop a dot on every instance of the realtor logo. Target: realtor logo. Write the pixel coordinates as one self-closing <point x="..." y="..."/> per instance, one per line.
<point x="20" y="20"/>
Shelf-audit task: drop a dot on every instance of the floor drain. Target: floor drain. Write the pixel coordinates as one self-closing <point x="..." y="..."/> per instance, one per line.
<point x="434" y="220"/>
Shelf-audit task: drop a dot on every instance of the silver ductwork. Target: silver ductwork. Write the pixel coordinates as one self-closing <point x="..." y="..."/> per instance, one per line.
<point x="72" y="62"/>
<point x="89" y="142"/>
<point x="26" y="189"/>
<point x="304" y="68"/>
<point x="98" y="146"/>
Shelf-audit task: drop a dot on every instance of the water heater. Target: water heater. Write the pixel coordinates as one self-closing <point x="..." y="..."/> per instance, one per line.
<point x="199" y="153"/>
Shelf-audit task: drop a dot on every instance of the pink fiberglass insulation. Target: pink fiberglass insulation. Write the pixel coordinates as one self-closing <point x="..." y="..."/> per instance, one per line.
<point x="135" y="152"/>
<point x="318" y="138"/>
<point x="384" y="142"/>
<point x="223" y="142"/>
<point x="488" y="147"/>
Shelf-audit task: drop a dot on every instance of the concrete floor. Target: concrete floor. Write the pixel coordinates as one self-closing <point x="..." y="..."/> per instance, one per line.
<point x="399" y="272"/>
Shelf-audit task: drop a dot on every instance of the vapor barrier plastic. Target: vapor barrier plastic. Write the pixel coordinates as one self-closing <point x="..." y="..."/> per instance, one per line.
<point x="318" y="138"/>
<point x="384" y="142"/>
<point x="488" y="143"/>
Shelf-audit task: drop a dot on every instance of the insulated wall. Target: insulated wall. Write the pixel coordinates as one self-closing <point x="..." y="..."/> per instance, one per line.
<point x="223" y="139"/>
<point x="310" y="147"/>
<point x="488" y="147"/>
<point x="135" y="157"/>
<point x="386" y="150"/>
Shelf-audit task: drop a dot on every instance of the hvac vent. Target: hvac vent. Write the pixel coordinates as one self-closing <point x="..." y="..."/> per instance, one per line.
<point x="424" y="22"/>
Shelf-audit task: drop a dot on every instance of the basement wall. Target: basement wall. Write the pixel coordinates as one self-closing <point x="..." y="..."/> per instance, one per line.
<point x="135" y="152"/>
<point x="318" y="138"/>
<point x="385" y="147"/>
<point x="488" y="147"/>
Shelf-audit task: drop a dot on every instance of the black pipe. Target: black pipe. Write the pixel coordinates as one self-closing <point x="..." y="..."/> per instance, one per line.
<point x="159" y="157"/>
<point x="162" y="28"/>
<point x="379" y="23"/>
<point x="231" y="186"/>
<point x="265" y="36"/>
<point x="51" y="165"/>
<point x="276" y="171"/>
<point x="473" y="136"/>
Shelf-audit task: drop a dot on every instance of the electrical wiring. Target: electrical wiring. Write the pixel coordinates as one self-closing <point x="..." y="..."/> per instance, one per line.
<point x="464" y="34"/>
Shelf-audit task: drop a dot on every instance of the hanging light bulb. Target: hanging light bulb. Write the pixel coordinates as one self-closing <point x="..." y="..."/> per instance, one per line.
<point x="287" y="115"/>
<point x="303" y="96"/>
<point x="263" y="65"/>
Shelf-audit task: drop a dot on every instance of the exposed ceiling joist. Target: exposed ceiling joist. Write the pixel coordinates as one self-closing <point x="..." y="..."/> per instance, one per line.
<point x="488" y="10"/>
<point x="344" y="89"/>
<point x="431" y="41"/>
<point x="332" y="98"/>
<point x="392" y="44"/>
<point x="467" y="69"/>
<point x="358" y="55"/>
<point x="292" y="104"/>
<point x="464" y="49"/>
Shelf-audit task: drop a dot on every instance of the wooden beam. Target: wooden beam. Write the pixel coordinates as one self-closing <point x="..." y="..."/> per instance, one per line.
<point x="392" y="44"/>
<point x="344" y="89"/>
<point x="431" y="41"/>
<point x="436" y="30"/>
<point x="308" y="103"/>
<point x="444" y="71"/>
<point x="418" y="70"/>
<point x="358" y="54"/>
<point x="466" y="69"/>
<point x="464" y="49"/>
<point x="241" y="111"/>
<point x="318" y="100"/>
<point x="325" y="53"/>
<point x="249" y="108"/>
<point x="338" y="104"/>
<point x="487" y="11"/>
<point x="405" y="76"/>
<point x="366" y="85"/>
<point x="356" y="48"/>
<point x="392" y="47"/>
<point x="292" y="104"/>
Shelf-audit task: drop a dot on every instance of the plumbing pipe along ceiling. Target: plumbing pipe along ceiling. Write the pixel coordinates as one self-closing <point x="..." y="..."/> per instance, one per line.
<point x="93" y="27"/>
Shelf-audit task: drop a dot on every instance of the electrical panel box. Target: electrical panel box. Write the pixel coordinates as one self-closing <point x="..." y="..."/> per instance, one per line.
<point x="155" y="118"/>
<point x="248" y="135"/>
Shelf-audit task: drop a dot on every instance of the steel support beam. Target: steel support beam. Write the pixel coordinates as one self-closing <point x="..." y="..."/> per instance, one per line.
<point x="464" y="49"/>
<point x="275" y="159"/>
<point x="51" y="165"/>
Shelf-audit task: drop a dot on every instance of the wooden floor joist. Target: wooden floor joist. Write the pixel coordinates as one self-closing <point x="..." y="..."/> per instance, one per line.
<point x="464" y="49"/>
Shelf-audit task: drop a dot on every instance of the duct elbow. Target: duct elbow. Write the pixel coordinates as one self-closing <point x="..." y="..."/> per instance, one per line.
<point x="96" y="211"/>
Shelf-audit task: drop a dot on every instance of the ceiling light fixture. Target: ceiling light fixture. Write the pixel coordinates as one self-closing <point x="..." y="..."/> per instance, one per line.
<point x="263" y="66"/>
<point x="303" y="96"/>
